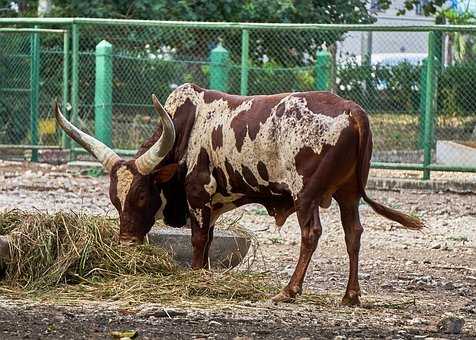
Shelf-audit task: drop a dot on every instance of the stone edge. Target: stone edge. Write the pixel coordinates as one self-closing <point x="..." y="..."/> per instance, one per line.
<point x="383" y="183"/>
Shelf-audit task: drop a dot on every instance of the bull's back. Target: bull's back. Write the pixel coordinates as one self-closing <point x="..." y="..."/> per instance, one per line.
<point x="260" y="138"/>
<point x="258" y="141"/>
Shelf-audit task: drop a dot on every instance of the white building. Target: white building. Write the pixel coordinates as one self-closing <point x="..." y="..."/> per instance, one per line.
<point x="390" y="43"/>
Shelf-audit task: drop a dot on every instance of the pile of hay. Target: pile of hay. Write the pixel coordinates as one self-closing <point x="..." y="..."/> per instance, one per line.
<point x="78" y="257"/>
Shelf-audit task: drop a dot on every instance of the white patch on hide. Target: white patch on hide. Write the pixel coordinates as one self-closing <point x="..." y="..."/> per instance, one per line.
<point x="197" y="213"/>
<point x="245" y="106"/>
<point x="160" y="213"/>
<point x="212" y="115"/>
<point x="124" y="181"/>
<point x="277" y="143"/>
<point x="211" y="187"/>
<point x="180" y="95"/>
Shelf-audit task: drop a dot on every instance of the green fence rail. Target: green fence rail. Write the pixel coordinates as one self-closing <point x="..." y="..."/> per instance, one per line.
<point x="415" y="82"/>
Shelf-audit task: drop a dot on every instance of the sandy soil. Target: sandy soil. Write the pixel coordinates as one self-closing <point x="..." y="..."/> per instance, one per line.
<point x="409" y="280"/>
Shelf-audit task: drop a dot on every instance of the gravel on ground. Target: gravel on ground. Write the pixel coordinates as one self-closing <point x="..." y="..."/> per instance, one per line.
<point x="413" y="283"/>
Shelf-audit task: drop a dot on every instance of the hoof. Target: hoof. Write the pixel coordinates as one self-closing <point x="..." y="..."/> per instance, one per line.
<point x="351" y="299"/>
<point x="284" y="296"/>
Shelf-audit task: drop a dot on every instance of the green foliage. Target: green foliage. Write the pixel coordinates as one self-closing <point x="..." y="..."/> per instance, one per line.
<point x="21" y="8"/>
<point x="431" y="7"/>
<point x="389" y="88"/>
<point x="457" y="18"/>
<point x="307" y="11"/>
<point x="462" y="45"/>
<point x="271" y="78"/>
<point x="455" y="94"/>
<point x="145" y="75"/>
<point x="284" y="48"/>
<point x="397" y="88"/>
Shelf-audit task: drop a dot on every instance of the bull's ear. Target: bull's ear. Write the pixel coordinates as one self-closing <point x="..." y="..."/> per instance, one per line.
<point x="166" y="172"/>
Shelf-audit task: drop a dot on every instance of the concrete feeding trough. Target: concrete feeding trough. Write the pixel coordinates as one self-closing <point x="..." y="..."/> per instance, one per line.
<point x="226" y="251"/>
<point x="454" y="153"/>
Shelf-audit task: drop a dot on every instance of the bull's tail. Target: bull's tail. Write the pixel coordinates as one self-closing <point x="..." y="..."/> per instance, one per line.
<point x="363" y="166"/>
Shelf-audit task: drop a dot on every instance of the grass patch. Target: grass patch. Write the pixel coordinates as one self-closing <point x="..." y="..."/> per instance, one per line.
<point x="73" y="257"/>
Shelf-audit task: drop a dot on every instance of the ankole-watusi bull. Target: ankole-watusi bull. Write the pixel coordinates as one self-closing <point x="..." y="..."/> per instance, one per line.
<point x="214" y="152"/>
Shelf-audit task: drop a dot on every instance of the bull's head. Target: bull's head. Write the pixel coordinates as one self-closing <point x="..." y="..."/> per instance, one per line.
<point x="135" y="185"/>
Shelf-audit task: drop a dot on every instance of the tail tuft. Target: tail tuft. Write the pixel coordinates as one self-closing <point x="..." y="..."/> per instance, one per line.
<point x="406" y="221"/>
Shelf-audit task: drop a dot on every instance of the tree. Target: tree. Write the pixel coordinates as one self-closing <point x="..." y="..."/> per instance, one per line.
<point x="297" y="47"/>
<point x="19" y="8"/>
<point x="429" y="8"/>
<point x="337" y="11"/>
<point x="461" y="45"/>
<point x="304" y="11"/>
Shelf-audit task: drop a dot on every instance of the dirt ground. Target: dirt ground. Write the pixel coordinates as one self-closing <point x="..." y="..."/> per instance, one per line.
<point x="409" y="280"/>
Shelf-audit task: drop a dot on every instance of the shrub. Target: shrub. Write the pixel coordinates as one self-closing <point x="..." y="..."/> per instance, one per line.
<point x="393" y="88"/>
<point x="456" y="89"/>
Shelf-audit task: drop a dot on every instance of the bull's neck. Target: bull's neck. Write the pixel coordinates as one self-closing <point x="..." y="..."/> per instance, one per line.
<point x="184" y="120"/>
<point x="182" y="106"/>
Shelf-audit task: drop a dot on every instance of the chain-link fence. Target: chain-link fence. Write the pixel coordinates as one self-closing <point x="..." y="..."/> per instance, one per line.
<point x="417" y="83"/>
<point x="31" y="74"/>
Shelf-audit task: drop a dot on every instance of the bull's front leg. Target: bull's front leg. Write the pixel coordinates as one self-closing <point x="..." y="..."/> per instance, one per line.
<point x="202" y="236"/>
<point x="200" y="185"/>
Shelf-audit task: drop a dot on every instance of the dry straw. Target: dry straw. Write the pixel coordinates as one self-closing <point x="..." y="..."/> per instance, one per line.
<point x="77" y="257"/>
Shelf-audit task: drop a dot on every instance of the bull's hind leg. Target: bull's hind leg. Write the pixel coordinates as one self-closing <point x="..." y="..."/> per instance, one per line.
<point x="310" y="234"/>
<point x="349" y="211"/>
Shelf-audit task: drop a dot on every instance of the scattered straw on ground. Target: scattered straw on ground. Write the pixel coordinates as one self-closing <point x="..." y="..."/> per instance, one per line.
<point x="74" y="257"/>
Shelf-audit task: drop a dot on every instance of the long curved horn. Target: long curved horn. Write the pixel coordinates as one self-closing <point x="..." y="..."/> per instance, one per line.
<point x="102" y="152"/>
<point x="157" y="152"/>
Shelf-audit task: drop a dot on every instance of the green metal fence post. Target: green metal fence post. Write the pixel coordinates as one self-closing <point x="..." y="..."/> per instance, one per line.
<point x="35" y="91"/>
<point x="65" y="141"/>
<point x="429" y="104"/>
<point x="74" y="82"/>
<point x="103" y="93"/>
<point x="219" y="75"/>
<point x="439" y="51"/>
<point x="439" y="65"/>
<point x="422" y="102"/>
<point x="245" y="47"/>
<point x="323" y="71"/>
